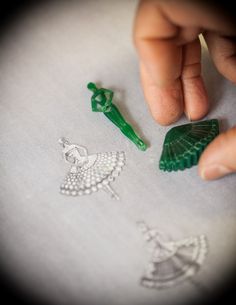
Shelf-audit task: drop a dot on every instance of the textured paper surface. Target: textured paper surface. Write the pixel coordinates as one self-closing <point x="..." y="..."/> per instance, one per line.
<point x="88" y="249"/>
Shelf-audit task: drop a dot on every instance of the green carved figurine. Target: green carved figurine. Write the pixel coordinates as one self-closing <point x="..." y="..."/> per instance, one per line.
<point x="102" y="102"/>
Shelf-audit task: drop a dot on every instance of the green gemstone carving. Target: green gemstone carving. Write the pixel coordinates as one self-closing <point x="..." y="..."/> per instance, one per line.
<point x="184" y="144"/>
<point x="101" y="101"/>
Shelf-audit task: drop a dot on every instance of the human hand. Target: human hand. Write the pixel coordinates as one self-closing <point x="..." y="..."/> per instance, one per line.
<point x="166" y="36"/>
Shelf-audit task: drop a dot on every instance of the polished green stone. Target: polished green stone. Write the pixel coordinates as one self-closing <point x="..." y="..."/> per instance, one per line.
<point x="184" y="144"/>
<point x="101" y="101"/>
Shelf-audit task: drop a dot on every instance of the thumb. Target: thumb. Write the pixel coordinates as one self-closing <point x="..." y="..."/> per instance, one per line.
<point x="219" y="158"/>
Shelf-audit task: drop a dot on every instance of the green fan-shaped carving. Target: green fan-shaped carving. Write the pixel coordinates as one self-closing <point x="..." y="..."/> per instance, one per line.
<point x="184" y="144"/>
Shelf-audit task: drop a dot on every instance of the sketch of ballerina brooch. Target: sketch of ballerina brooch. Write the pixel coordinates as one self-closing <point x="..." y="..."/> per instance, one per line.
<point x="90" y="173"/>
<point x="171" y="262"/>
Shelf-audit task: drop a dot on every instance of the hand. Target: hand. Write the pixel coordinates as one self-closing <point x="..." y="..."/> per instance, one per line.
<point x="166" y="36"/>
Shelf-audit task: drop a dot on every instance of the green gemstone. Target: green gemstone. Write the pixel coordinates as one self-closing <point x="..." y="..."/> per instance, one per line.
<point x="101" y="101"/>
<point x="184" y="144"/>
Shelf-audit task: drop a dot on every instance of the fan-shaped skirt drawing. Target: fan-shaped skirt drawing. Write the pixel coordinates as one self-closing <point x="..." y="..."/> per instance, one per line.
<point x="187" y="258"/>
<point x="99" y="171"/>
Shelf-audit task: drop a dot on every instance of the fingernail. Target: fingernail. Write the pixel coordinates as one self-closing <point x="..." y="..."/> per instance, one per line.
<point x="214" y="171"/>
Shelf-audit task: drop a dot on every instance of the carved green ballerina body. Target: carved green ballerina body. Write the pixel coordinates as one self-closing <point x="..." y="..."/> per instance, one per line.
<point x="102" y="102"/>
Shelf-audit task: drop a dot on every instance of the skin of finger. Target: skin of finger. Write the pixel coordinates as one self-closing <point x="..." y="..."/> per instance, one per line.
<point x="165" y="103"/>
<point x="223" y="52"/>
<point x="159" y="54"/>
<point x="182" y="14"/>
<point x="150" y="22"/>
<point x="219" y="153"/>
<point x="152" y="37"/>
<point x="200" y="14"/>
<point x="161" y="61"/>
<point x="195" y="95"/>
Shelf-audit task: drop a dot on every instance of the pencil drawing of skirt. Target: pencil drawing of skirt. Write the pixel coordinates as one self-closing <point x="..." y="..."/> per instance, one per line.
<point x="95" y="174"/>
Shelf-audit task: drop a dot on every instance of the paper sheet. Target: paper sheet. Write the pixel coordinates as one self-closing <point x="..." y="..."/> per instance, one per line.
<point x="88" y="249"/>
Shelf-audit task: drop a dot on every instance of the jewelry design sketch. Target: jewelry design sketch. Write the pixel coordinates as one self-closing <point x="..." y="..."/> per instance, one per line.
<point x="90" y="173"/>
<point x="171" y="262"/>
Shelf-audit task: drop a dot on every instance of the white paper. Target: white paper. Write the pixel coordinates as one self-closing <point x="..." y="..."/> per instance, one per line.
<point x="88" y="249"/>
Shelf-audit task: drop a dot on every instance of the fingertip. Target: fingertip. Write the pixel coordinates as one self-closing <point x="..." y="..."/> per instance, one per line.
<point x="196" y="98"/>
<point x="165" y="102"/>
<point x="214" y="172"/>
<point x="218" y="159"/>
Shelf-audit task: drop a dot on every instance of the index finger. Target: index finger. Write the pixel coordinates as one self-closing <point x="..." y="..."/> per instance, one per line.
<point x="160" y="62"/>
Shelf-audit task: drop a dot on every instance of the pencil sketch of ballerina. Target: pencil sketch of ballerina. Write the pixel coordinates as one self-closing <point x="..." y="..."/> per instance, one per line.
<point x="90" y="173"/>
<point x="171" y="261"/>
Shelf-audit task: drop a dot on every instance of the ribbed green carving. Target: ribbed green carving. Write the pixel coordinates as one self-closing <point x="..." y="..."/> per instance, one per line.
<point x="184" y="144"/>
